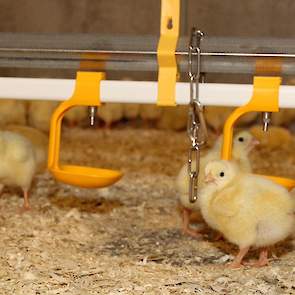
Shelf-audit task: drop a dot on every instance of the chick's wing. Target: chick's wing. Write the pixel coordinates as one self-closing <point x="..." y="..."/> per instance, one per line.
<point x="226" y="202"/>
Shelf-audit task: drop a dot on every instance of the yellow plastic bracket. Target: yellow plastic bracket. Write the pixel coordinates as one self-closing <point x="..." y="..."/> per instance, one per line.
<point x="86" y="93"/>
<point x="265" y="98"/>
<point x="166" y="52"/>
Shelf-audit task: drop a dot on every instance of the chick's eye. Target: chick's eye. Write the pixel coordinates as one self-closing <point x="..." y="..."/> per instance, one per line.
<point x="221" y="174"/>
<point x="241" y="139"/>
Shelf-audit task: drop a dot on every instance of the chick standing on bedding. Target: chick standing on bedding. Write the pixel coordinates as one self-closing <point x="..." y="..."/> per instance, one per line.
<point x="76" y="115"/>
<point x="249" y="210"/>
<point x="110" y="113"/>
<point x="17" y="163"/>
<point x="39" y="141"/>
<point x="283" y="118"/>
<point x="216" y="117"/>
<point x="174" y="118"/>
<point x="243" y="143"/>
<point x="12" y="112"/>
<point x="150" y="113"/>
<point x="275" y="137"/>
<point x="40" y="113"/>
<point x="131" y="111"/>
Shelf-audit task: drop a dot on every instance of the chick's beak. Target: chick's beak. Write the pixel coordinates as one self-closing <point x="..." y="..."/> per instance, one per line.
<point x="209" y="178"/>
<point x="254" y="142"/>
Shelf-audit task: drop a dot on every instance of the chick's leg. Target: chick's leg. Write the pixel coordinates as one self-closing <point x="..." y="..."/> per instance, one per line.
<point x="107" y="125"/>
<point x="238" y="259"/>
<point x="263" y="260"/>
<point x="218" y="237"/>
<point x="185" y="224"/>
<point x="26" y="205"/>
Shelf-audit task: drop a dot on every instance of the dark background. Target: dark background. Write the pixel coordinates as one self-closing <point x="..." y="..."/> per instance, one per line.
<point x="252" y="18"/>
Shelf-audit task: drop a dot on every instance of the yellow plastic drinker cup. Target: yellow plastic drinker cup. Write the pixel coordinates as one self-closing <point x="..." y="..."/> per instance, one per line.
<point x="86" y="94"/>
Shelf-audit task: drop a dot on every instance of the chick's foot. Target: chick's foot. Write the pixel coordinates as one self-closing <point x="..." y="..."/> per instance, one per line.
<point x="186" y="230"/>
<point x="26" y="206"/>
<point x="237" y="263"/>
<point x="191" y="232"/>
<point x="217" y="237"/>
<point x="262" y="261"/>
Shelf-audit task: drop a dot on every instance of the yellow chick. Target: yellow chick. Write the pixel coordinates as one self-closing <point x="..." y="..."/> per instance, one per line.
<point x="275" y="137"/>
<point x="243" y="143"/>
<point x="150" y="112"/>
<point x="12" y="112"/>
<point x="174" y="118"/>
<point x="40" y="113"/>
<point x="131" y="111"/>
<point x="17" y="163"/>
<point x="39" y="141"/>
<point x="110" y="113"/>
<point x="216" y="117"/>
<point x="249" y="210"/>
<point x="283" y="117"/>
<point x="76" y="115"/>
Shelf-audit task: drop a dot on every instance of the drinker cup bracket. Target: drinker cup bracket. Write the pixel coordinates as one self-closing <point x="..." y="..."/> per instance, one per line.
<point x="86" y="93"/>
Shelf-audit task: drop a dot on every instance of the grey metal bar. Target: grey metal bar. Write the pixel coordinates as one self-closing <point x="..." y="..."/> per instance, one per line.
<point x="139" y="53"/>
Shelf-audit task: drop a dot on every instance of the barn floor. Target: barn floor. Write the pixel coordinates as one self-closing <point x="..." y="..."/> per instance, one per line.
<point x="126" y="239"/>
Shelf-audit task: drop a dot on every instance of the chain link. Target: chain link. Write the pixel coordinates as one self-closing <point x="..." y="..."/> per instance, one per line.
<point x="196" y="128"/>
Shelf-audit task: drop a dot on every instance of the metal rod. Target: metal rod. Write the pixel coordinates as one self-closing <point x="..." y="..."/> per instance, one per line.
<point x="139" y="53"/>
<point x="135" y="91"/>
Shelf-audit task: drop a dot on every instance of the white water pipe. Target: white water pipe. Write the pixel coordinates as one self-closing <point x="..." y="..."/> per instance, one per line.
<point x="135" y="91"/>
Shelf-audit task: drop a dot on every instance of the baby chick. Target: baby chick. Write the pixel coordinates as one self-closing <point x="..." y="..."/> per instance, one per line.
<point x="243" y="143"/>
<point x="150" y="113"/>
<point x="216" y="117"/>
<point x="39" y="141"/>
<point x="283" y="118"/>
<point x="40" y="113"/>
<point x="249" y="210"/>
<point x="275" y="137"/>
<point x="110" y="113"/>
<point x="131" y="111"/>
<point x="174" y="118"/>
<point x="12" y="112"/>
<point x="76" y="115"/>
<point x="17" y="162"/>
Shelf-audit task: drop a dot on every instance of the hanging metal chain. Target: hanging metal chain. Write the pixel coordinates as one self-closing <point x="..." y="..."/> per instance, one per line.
<point x="196" y="127"/>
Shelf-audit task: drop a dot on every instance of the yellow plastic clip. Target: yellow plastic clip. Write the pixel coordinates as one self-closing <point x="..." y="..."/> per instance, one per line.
<point x="265" y="98"/>
<point x="166" y="52"/>
<point x="86" y="94"/>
